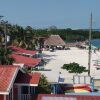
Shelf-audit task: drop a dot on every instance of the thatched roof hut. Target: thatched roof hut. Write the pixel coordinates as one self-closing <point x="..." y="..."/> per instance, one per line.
<point x="54" y="40"/>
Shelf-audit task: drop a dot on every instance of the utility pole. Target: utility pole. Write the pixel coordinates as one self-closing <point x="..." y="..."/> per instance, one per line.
<point x="5" y="33"/>
<point x="89" y="59"/>
<point x="0" y="26"/>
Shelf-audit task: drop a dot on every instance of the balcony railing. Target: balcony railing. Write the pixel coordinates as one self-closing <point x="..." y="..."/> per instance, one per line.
<point x="24" y="97"/>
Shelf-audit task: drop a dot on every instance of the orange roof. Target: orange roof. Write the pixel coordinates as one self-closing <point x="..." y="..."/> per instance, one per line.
<point x="7" y="75"/>
<point x="28" y="78"/>
<point x="20" y="50"/>
<point x="29" y="62"/>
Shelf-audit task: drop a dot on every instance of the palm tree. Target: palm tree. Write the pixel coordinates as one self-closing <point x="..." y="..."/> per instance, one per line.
<point x="18" y="36"/>
<point x="30" y="40"/>
<point x="5" y="58"/>
<point x="1" y="39"/>
<point x="22" y="37"/>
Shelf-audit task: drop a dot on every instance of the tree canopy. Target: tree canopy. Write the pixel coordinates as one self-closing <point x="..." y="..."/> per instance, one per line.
<point x="44" y="85"/>
<point x="5" y="58"/>
<point x="74" y="68"/>
<point x="27" y="37"/>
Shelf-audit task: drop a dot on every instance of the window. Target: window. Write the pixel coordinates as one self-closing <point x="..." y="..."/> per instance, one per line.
<point x="24" y="90"/>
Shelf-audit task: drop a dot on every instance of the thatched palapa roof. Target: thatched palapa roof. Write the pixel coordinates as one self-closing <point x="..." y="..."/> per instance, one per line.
<point x="54" y="40"/>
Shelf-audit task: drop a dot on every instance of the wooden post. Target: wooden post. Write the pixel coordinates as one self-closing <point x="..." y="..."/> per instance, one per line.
<point x="4" y="97"/>
<point x="19" y="93"/>
<point x="12" y="92"/>
<point x="34" y="89"/>
<point x="28" y="89"/>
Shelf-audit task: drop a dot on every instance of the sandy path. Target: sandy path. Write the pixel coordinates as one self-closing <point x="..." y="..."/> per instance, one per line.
<point x="58" y="58"/>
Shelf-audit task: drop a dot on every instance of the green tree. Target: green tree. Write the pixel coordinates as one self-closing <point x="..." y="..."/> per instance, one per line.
<point x="5" y="58"/>
<point x="26" y="37"/>
<point x="74" y="68"/>
<point x="44" y="85"/>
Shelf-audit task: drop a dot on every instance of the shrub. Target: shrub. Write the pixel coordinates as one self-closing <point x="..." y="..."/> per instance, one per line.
<point x="74" y="68"/>
<point x="44" y="86"/>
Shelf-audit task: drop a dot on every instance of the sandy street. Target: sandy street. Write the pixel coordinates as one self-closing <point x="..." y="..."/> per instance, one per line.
<point x="59" y="57"/>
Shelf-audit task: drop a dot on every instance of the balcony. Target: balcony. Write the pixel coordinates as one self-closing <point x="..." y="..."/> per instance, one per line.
<point x="25" y="97"/>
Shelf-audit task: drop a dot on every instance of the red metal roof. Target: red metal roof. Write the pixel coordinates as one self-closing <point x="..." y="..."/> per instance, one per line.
<point x="28" y="78"/>
<point x="62" y="97"/>
<point x="28" y="61"/>
<point x="7" y="74"/>
<point x="20" y="50"/>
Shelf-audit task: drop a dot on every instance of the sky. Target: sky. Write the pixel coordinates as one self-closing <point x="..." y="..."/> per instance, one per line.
<point x="73" y="14"/>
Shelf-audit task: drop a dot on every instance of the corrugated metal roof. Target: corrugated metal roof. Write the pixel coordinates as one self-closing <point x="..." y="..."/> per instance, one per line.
<point x="21" y="50"/>
<point x="7" y="73"/>
<point x="29" y="62"/>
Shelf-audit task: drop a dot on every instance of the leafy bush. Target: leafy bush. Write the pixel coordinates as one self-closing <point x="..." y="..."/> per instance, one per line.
<point x="44" y="86"/>
<point x="74" y="68"/>
<point x="5" y="58"/>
